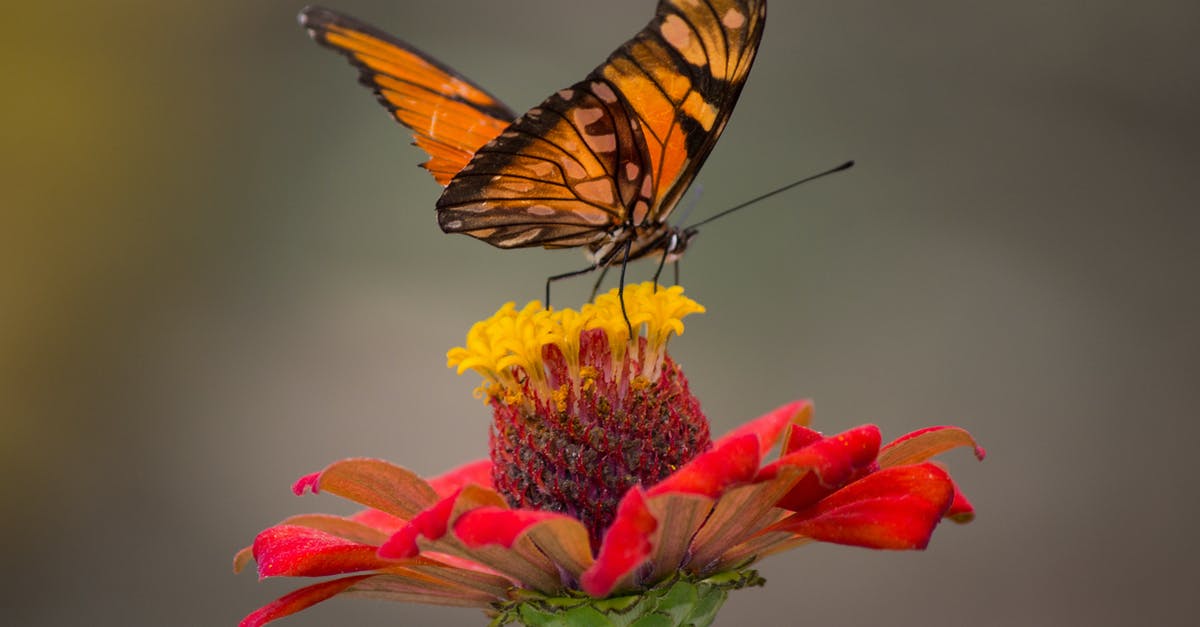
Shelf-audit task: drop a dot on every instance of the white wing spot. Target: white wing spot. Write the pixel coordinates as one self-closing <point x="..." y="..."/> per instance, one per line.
<point x="520" y="238"/>
<point x="540" y="210"/>
<point x="566" y="94"/>
<point x="591" y="215"/>
<point x="573" y="168"/>
<point x="583" y="117"/>
<point x="676" y="32"/>
<point x="631" y="170"/>
<point x="541" y="169"/>
<point x="598" y="191"/>
<point x="733" y="18"/>
<point x="639" y="212"/>
<point x="604" y="92"/>
<point x="602" y="143"/>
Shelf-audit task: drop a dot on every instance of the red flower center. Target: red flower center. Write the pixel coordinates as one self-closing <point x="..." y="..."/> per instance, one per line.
<point x="580" y="450"/>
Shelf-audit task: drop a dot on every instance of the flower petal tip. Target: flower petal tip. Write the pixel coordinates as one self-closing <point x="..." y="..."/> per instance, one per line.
<point x="242" y="559"/>
<point x="961" y="518"/>
<point x="310" y="482"/>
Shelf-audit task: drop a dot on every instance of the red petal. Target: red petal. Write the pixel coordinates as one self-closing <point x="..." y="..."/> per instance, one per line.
<point x="800" y="437"/>
<point x="494" y="525"/>
<point x="923" y="444"/>
<point x="830" y="463"/>
<point x="770" y="426"/>
<point x="297" y="600"/>
<point x="734" y="461"/>
<point x="626" y="545"/>
<point x="961" y="511"/>
<point x="430" y="523"/>
<point x="561" y="538"/>
<point x="306" y="552"/>
<point x="477" y="472"/>
<point x="895" y="508"/>
<point x="307" y="482"/>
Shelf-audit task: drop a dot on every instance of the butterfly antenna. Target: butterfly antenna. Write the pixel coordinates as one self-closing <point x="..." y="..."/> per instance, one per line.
<point x="845" y="166"/>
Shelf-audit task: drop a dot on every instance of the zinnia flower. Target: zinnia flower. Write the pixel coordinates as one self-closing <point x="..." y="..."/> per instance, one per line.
<point x="605" y="495"/>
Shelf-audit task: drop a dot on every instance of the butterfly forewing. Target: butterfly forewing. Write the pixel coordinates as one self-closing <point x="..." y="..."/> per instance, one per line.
<point x="450" y="116"/>
<point x="682" y="76"/>
<point x="619" y="148"/>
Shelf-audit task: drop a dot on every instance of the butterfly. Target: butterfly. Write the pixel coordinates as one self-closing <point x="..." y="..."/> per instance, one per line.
<point x="601" y="164"/>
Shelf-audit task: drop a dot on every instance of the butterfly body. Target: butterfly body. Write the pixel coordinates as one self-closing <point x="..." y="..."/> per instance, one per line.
<point x="600" y="164"/>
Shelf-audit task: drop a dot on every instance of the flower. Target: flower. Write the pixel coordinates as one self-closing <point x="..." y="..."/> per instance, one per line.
<point x="604" y="491"/>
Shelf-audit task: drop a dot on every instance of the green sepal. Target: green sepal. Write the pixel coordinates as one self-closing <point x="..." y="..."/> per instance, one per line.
<point x="677" y="602"/>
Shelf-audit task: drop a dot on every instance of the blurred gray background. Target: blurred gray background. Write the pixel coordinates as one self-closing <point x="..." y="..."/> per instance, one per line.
<point x="221" y="270"/>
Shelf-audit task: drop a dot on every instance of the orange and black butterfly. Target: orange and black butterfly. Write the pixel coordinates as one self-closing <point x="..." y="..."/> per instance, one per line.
<point x="600" y="164"/>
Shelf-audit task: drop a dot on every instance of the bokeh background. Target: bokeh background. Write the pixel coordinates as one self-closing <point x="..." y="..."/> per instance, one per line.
<point x="221" y="270"/>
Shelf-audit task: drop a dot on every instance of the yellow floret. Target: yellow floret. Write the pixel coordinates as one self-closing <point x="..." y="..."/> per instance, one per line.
<point x="507" y="347"/>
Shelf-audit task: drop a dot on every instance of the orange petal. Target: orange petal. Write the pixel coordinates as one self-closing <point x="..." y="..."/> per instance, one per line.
<point x="923" y="444"/>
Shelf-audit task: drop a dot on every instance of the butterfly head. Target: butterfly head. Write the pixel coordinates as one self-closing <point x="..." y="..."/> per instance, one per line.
<point x="676" y="241"/>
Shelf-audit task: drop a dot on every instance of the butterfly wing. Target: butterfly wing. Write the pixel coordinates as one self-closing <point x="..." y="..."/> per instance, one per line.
<point x="619" y="148"/>
<point x="560" y="176"/>
<point x="451" y="117"/>
<point x="682" y="76"/>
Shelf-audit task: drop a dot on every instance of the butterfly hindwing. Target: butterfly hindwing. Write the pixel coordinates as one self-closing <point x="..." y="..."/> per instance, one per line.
<point x="451" y="117"/>
<point x="561" y="175"/>
<point x="619" y="148"/>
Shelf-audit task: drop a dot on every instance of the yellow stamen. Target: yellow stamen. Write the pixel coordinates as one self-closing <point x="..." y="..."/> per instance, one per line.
<point x="506" y="349"/>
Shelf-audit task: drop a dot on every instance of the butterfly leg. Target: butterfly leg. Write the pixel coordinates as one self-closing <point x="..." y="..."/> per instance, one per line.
<point x="662" y="262"/>
<point x="596" y="287"/>
<point x="621" y="290"/>
<point x="676" y="269"/>
<point x="567" y="275"/>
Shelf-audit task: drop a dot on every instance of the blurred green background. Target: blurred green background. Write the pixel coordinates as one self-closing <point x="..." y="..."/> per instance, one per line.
<point x="221" y="270"/>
